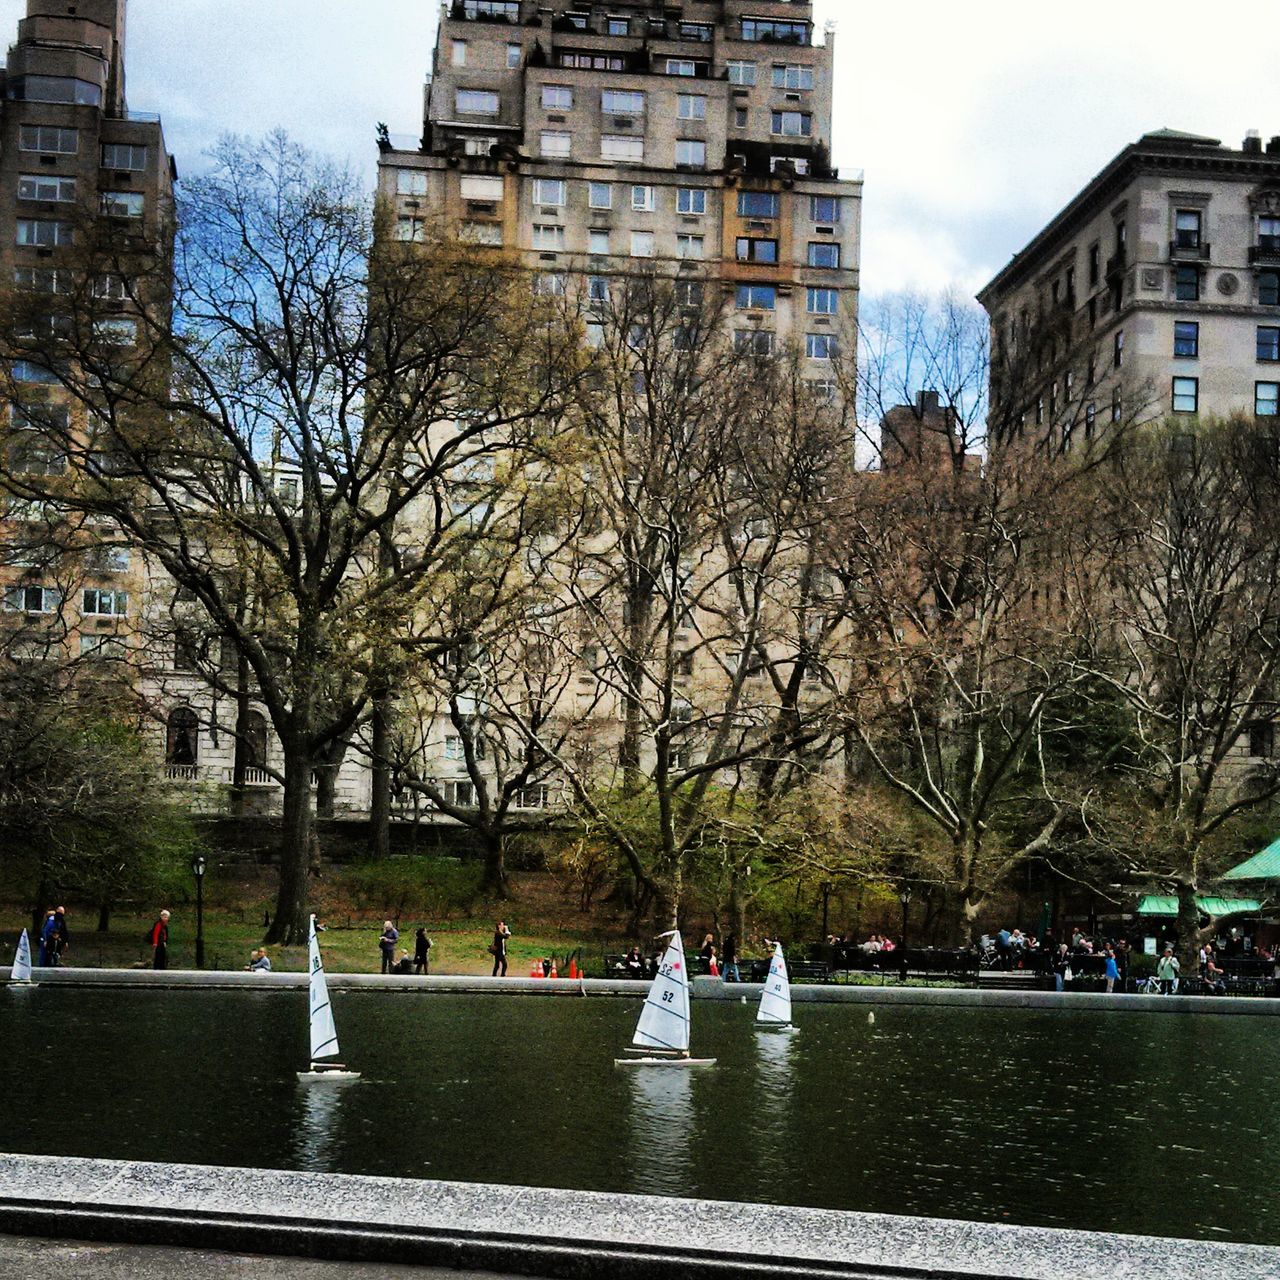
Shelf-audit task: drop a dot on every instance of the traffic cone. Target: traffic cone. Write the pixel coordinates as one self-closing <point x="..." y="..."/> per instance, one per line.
<point x="573" y="967"/>
<point x="536" y="970"/>
<point x="554" y="974"/>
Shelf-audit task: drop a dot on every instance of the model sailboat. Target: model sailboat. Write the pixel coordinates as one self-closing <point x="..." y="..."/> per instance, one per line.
<point x="324" y="1035"/>
<point x="662" y="1034"/>
<point x="21" y="971"/>
<point x="775" y="1000"/>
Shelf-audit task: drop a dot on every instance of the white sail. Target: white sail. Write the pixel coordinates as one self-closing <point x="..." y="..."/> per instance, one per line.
<point x="775" y="1000"/>
<point x="664" y="1020"/>
<point x="21" y="971"/>
<point x="324" y="1035"/>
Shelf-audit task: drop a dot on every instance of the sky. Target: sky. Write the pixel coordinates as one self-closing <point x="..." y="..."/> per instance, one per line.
<point x="973" y="123"/>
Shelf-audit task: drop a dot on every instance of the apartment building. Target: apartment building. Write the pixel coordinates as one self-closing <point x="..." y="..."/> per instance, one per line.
<point x="1155" y="292"/>
<point x="605" y="140"/>
<point x="76" y="164"/>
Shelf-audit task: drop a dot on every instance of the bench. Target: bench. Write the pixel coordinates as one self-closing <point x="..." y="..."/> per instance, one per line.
<point x="797" y="971"/>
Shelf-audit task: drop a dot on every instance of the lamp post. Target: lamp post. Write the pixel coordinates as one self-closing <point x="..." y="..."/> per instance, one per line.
<point x="197" y="869"/>
<point x="904" y="897"/>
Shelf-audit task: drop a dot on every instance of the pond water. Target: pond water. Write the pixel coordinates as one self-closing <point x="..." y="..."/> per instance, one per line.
<point x="1150" y="1123"/>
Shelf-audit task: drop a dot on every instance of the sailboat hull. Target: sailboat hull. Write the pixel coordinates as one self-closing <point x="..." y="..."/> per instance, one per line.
<point x="664" y="1062"/>
<point x="316" y="1077"/>
<point x="778" y="1028"/>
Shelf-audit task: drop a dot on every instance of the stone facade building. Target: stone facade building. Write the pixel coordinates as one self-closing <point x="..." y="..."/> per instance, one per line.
<point x="1155" y="292"/>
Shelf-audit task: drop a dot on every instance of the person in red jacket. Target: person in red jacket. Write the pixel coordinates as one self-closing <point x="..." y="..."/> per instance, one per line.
<point x="160" y="942"/>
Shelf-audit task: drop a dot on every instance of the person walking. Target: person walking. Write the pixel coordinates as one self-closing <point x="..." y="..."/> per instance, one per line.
<point x="421" y="952"/>
<point x="387" y="943"/>
<point x="62" y="942"/>
<point x="49" y="939"/>
<point x="498" y="949"/>
<point x="729" y="969"/>
<point x="159" y="937"/>
<point x="1167" y="970"/>
<point x="1111" y="970"/>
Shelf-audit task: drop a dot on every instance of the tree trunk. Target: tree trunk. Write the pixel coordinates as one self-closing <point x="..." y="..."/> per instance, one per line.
<point x="496" y="882"/>
<point x="1189" y="931"/>
<point x="290" y="923"/>
<point x="738" y="906"/>
<point x="380" y="781"/>
<point x="104" y="917"/>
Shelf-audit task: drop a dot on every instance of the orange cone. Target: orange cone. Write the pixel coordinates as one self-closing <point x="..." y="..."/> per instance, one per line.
<point x="554" y="974"/>
<point x="536" y="970"/>
<point x="573" y="967"/>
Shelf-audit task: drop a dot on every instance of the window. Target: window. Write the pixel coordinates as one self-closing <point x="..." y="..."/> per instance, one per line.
<point x="1269" y="288"/>
<point x="458" y="53"/>
<point x="549" y="191"/>
<point x="595" y="334"/>
<point x="820" y="346"/>
<point x="758" y="204"/>
<point x="691" y="200"/>
<point x="557" y="97"/>
<point x="1117" y="349"/>
<point x="32" y="599"/>
<point x="792" y="124"/>
<point x="45" y="137"/>
<point x="46" y="186"/>
<point x="741" y="117"/>
<point x="758" y="342"/>
<point x="123" y="204"/>
<point x="107" y="560"/>
<point x="622" y="102"/>
<point x="775" y="31"/>
<point x="681" y="67"/>
<point x="689" y="293"/>
<point x="823" y="302"/>
<point x="460" y="794"/>
<point x="476" y="102"/>
<point x="548" y="284"/>
<point x="692" y="106"/>
<point x="411" y="229"/>
<point x="694" y="31"/>
<point x="116" y="331"/>
<point x="642" y="244"/>
<point x="476" y="187"/>
<point x="1266" y="399"/>
<point x="618" y="26"/>
<point x="1262" y="739"/>
<point x="1186" y="395"/>
<point x="600" y="195"/>
<point x="98" y="603"/>
<point x="29" y="371"/>
<point x="1268" y="343"/>
<point x="411" y="182"/>
<point x="1186" y="339"/>
<point x="622" y="148"/>
<point x="792" y="77"/>
<point x="485" y="233"/>
<point x="690" y="151"/>
<point x="554" y="144"/>
<point x="644" y="199"/>
<point x="1269" y="233"/>
<point x="33" y="453"/>
<point x="1090" y="419"/>
<point x="547" y="237"/>
<point x="515" y="55"/>
<point x="43" y="232"/>
<point x="598" y="288"/>
<point x="824" y="208"/>
<point x="597" y="241"/>
<point x="1186" y="229"/>
<point x="1186" y="284"/>
<point x="689" y="246"/>
<point x="822" y="253"/>
<point x="55" y="89"/>
<point x="453" y="749"/>
<point x="182" y="739"/>
<point x="40" y="280"/>
<point x="752" y="250"/>
<point x="757" y="297"/>
<point x="742" y="73"/>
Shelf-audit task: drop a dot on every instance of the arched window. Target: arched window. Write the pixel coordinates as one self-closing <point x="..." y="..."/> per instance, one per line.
<point x="182" y="746"/>
<point x="255" y="740"/>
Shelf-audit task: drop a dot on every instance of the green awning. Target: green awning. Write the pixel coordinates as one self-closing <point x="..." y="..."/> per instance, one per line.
<point x="1154" y="904"/>
<point x="1262" y="866"/>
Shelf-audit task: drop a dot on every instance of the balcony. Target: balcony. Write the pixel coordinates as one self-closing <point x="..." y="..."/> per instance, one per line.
<point x="1183" y="252"/>
<point x="1266" y="254"/>
<point x="254" y="776"/>
<point x="182" y="773"/>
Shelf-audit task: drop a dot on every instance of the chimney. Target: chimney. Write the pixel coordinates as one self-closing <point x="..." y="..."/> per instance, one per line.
<point x="1273" y="146"/>
<point x="926" y="403"/>
<point x="1252" y="145"/>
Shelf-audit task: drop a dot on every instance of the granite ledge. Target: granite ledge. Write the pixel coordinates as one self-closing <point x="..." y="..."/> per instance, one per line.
<point x="557" y="1233"/>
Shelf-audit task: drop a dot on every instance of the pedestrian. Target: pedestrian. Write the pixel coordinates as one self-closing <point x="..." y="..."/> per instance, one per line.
<point x="1167" y="970"/>
<point x="498" y="949"/>
<point x="1061" y="967"/>
<point x="387" y="943"/>
<point x="49" y="939"/>
<point x="1111" y="970"/>
<point x="159" y="939"/>
<point x="62" y="942"/>
<point x="729" y="969"/>
<point x="421" y="952"/>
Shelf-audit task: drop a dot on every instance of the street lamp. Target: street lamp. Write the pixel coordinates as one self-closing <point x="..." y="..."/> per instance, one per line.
<point x="904" y="897"/>
<point x="198" y="865"/>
